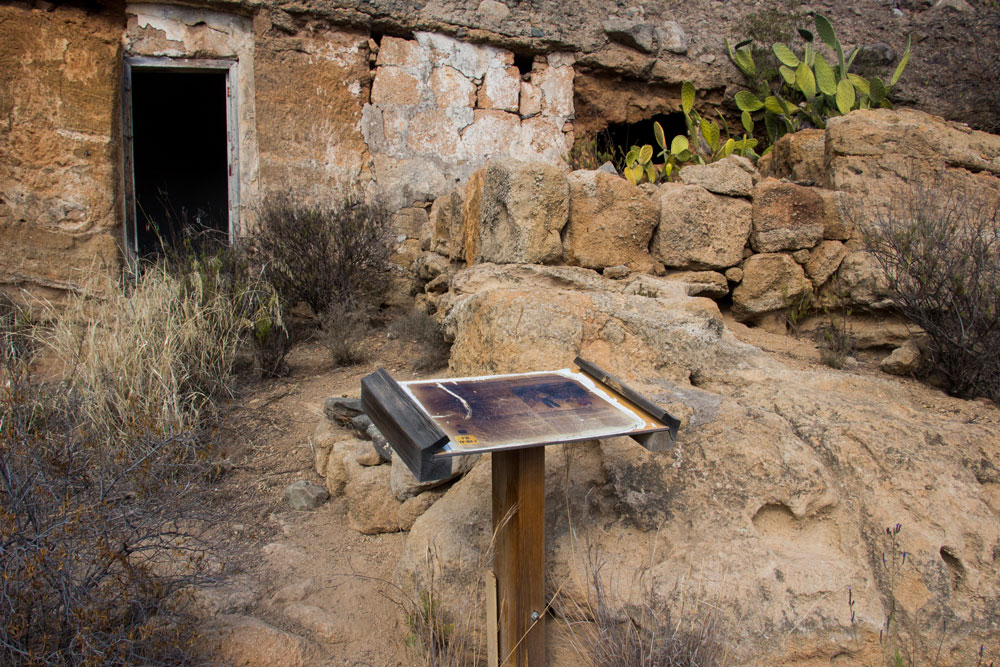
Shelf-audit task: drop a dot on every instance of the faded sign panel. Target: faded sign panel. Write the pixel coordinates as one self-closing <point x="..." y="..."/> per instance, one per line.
<point x="519" y="410"/>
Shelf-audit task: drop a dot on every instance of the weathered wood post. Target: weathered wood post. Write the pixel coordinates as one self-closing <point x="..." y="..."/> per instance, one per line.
<point x="519" y="554"/>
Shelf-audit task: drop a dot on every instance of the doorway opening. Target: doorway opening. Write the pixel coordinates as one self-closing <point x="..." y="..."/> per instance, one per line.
<point x="181" y="186"/>
<point x="617" y="138"/>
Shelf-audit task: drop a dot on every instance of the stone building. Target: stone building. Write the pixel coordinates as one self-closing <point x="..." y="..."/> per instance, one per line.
<point x="109" y="108"/>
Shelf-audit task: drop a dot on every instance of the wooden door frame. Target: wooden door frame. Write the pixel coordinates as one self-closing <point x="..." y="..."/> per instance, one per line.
<point x="130" y="231"/>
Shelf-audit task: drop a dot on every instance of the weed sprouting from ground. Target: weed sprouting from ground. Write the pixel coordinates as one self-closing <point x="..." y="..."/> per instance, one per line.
<point x="644" y="630"/>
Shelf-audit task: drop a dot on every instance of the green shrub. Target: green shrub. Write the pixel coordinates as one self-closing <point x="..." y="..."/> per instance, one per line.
<point x="324" y="254"/>
<point x="806" y="88"/>
<point x="940" y="252"/>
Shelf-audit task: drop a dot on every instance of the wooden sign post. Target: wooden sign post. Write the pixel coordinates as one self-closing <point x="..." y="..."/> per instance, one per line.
<point x="513" y="417"/>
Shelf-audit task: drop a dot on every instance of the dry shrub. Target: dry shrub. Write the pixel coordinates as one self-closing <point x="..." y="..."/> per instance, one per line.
<point x="423" y="334"/>
<point x="343" y="332"/>
<point x="86" y="499"/>
<point x="324" y="254"/>
<point x="645" y="630"/>
<point x="940" y="252"/>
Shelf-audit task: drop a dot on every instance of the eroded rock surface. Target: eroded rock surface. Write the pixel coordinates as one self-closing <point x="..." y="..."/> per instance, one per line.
<point x="777" y="496"/>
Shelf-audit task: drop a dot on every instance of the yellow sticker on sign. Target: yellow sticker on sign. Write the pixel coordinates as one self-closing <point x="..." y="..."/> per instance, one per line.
<point x="467" y="440"/>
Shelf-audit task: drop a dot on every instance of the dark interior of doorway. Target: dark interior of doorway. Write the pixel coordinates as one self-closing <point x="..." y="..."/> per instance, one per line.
<point x="180" y="158"/>
<point x="617" y="138"/>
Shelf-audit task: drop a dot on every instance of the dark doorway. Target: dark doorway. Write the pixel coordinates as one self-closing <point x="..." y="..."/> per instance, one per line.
<point x="180" y="157"/>
<point x="620" y="137"/>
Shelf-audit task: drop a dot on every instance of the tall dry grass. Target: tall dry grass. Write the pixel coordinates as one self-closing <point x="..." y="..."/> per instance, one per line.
<point x="163" y="352"/>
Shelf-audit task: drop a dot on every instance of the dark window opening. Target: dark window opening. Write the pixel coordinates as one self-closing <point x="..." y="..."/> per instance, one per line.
<point x="618" y="138"/>
<point x="524" y="63"/>
<point x="180" y="151"/>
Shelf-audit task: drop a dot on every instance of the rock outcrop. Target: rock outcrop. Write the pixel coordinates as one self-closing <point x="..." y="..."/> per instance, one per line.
<point x="774" y="502"/>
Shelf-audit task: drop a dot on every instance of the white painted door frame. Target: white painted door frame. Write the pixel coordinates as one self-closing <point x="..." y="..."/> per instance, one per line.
<point x="232" y="137"/>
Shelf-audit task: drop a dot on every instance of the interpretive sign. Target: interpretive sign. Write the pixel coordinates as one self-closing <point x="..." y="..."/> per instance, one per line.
<point x="427" y="422"/>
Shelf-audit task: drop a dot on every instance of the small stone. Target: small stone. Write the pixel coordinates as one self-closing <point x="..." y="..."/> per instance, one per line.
<point x="904" y="360"/>
<point x="536" y="32"/>
<point x="617" y="272"/>
<point x="639" y="36"/>
<point x="342" y="409"/>
<point x="671" y="37"/>
<point x="493" y="9"/>
<point x="801" y="256"/>
<point x="361" y="423"/>
<point x="304" y="495"/>
<point x="608" y="168"/>
<point x="734" y="274"/>
<point x="366" y="454"/>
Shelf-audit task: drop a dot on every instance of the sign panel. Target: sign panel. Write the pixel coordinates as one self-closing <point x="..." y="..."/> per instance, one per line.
<point x="483" y="414"/>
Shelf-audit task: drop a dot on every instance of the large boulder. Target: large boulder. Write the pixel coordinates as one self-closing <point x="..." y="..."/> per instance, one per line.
<point x="883" y="153"/>
<point x="771" y="281"/>
<point x="786" y="217"/>
<point x="610" y="222"/>
<point x="700" y="230"/>
<point x="514" y="213"/>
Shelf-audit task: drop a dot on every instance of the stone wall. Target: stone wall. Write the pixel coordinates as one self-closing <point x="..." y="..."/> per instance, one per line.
<point x="59" y="175"/>
<point x="441" y="107"/>
<point x="764" y="243"/>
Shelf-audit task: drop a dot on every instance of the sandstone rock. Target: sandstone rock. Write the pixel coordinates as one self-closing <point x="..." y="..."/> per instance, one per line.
<point x="800" y="157"/>
<point x="413" y="508"/>
<point x="324" y="437"/>
<point x="529" y="321"/>
<point x="839" y="225"/>
<point x="323" y="625"/>
<point x="800" y="256"/>
<point x="430" y="265"/>
<point x="438" y="286"/>
<point x="342" y="409"/>
<point x="770" y="282"/>
<point x="725" y="177"/>
<point x="616" y="272"/>
<point x="671" y="37"/>
<point x="447" y="221"/>
<point x="882" y="153"/>
<point x="530" y="101"/>
<point x="402" y="53"/>
<point x="702" y="283"/>
<point x="489" y="134"/>
<point x="860" y="281"/>
<point x="371" y="506"/>
<point x="493" y="9"/>
<point x="904" y="360"/>
<point x="501" y="88"/>
<point x="394" y="85"/>
<point x="410" y="223"/>
<point x="734" y="274"/>
<point x="451" y="88"/>
<point x="366" y="454"/>
<point x="248" y="641"/>
<point x="610" y="222"/>
<point x="404" y="485"/>
<point x="304" y="496"/>
<point x="336" y="466"/>
<point x="824" y="260"/>
<point x="514" y="212"/>
<point x="786" y="217"/>
<point x="700" y="230"/>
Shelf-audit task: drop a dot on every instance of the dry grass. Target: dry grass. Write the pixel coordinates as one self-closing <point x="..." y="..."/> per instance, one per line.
<point x="163" y="353"/>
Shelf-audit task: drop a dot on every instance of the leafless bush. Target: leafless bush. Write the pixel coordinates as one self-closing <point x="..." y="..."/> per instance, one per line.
<point x="940" y="252"/>
<point x="324" y="254"/>
<point x="343" y="332"/>
<point x="424" y="335"/>
<point x="82" y="512"/>
<point x="644" y="630"/>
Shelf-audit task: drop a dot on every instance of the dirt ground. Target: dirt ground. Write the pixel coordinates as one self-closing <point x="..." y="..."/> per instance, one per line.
<point x="308" y="573"/>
